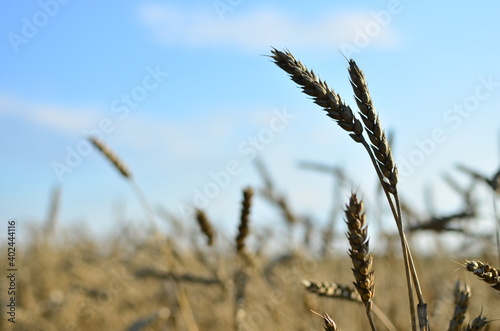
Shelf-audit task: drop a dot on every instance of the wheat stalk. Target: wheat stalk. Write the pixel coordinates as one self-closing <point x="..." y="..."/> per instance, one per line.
<point x="462" y="298"/>
<point x="485" y="272"/>
<point x="320" y="92"/>
<point x="188" y="278"/>
<point x="273" y="196"/>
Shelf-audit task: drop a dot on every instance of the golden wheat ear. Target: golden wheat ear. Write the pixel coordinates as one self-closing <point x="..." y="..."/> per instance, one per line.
<point x="111" y="156"/>
<point x="361" y="257"/>
<point x="462" y="295"/>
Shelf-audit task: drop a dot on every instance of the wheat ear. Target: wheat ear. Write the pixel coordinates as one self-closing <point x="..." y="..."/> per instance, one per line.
<point x="322" y="95"/>
<point x="205" y="226"/>
<point x="328" y="322"/>
<point x="123" y="169"/>
<point x="478" y="323"/>
<point x="462" y="298"/>
<point x="111" y="156"/>
<point x="362" y="259"/>
<point x="344" y="292"/>
<point x="388" y="176"/>
<point x="485" y="272"/>
<point x="240" y="275"/>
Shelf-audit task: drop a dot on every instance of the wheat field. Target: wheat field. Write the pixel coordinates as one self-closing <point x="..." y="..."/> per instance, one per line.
<point x="300" y="277"/>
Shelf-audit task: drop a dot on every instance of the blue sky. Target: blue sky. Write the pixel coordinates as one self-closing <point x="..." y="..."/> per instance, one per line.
<point x="199" y="88"/>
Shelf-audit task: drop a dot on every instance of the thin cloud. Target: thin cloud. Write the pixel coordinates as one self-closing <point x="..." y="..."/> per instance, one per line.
<point x="256" y="30"/>
<point x="66" y="120"/>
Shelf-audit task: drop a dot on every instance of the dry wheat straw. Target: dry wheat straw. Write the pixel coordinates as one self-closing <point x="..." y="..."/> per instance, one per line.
<point x="362" y="259"/>
<point x="379" y="150"/>
<point x="320" y="92"/>
<point x="462" y="298"/>
<point x="205" y="226"/>
<point x="485" y="272"/>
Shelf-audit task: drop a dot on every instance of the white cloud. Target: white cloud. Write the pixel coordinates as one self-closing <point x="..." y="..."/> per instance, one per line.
<point x="67" y="120"/>
<point x="258" y="30"/>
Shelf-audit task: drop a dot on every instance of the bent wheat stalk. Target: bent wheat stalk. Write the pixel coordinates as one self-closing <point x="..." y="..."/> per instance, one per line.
<point x="125" y="172"/>
<point x="379" y="150"/>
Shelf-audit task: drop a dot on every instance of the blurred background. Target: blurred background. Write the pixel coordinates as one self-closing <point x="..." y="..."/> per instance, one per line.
<point x="183" y="92"/>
